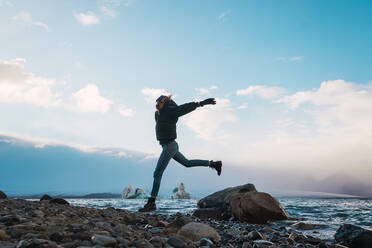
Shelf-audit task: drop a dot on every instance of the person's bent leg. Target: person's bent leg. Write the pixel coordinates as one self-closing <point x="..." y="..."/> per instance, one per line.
<point x="180" y="158"/>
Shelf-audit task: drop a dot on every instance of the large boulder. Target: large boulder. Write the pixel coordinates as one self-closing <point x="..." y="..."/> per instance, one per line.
<point x="196" y="231"/>
<point x="256" y="207"/>
<point x="221" y="199"/>
<point x="354" y="236"/>
<point x="180" y="192"/>
<point x="2" y="195"/>
<point x="131" y="192"/>
<point x="242" y="202"/>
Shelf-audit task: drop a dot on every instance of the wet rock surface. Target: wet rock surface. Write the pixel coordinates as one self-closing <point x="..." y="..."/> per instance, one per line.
<point x="354" y="236"/>
<point x="220" y="199"/>
<point x="46" y="224"/>
<point x="196" y="231"/>
<point x="59" y="201"/>
<point x="256" y="207"/>
<point x="2" y="195"/>
<point x="205" y="213"/>
<point x="243" y="203"/>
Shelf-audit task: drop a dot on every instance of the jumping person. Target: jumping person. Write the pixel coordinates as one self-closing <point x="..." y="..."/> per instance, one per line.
<point x="166" y="117"/>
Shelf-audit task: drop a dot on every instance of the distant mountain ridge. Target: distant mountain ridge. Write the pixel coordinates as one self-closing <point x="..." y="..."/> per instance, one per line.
<point x="88" y="196"/>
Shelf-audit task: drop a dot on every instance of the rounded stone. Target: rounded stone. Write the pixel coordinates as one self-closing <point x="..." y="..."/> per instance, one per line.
<point x="2" y="195"/>
<point x="103" y="240"/>
<point x="196" y="231"/>
<point x="3" y="235"/>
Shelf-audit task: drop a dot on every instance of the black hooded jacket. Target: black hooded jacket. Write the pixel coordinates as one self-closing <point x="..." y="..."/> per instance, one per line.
<point x="166" y="120"/>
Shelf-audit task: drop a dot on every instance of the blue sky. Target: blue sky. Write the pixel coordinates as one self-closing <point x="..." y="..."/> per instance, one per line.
<point x="292" y="78"/>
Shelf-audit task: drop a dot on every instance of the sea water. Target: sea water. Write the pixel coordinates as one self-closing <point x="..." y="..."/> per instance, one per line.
<point x="329" y="213"/>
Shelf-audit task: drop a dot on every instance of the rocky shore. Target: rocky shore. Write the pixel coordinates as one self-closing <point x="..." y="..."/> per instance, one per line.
<point x="30" y="224"/>
<point x="53" y="222"/>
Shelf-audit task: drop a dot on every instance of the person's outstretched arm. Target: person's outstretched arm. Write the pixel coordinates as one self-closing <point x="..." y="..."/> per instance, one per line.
<point x="186" y="108"/>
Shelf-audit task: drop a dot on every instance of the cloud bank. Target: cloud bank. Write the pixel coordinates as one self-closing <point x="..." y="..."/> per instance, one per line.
<point x="25" y="17"/>
<point x="89" y="99"/>
<point x="19" y="86"/>
<point x="87" y="19"/>
<point x="206" y="122"/>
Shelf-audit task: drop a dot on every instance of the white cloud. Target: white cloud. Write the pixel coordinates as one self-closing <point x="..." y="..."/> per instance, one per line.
<point x="243" y="106"/>
<point x="335" y="103"/>
<point x="151" y="156"/>
<point x="25" y="17"/>
<point x="107" y="11"/>
<point x="89" y="99"/>
<point x="224" y="15"/>
<point x="87" y="19"/>
<point x="329" y="93"/>
<point x="152" y="94"/>
<point x="37" y="142"/>
<point x="265" y="92"/>
<point x="295" y="58"/>
<point x="206" y="122"/>
<point x="20" y="86"/>
<point x="6" y="2"/>
<point x="124" y="111"/>
<point x="204" y="91"/>
<point x="122" y="154"/>
<point x="320" y="132"/>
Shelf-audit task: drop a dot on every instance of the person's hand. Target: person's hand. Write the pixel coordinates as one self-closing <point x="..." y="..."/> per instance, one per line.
<point x="208" y="101"/>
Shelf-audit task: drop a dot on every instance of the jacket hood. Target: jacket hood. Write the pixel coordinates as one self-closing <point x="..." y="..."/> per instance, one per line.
<point x="170" y="103"/>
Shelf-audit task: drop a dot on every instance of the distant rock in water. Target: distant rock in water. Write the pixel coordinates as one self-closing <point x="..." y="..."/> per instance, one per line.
<point x="2" y="195"/>
<point x="46" y="197"/>
<point x="242" y="202"/>
<point x="180" y="192"/>
<point x="354" y="236"/>
<point x="131" y="192"/>
<point x="101" y="196"/>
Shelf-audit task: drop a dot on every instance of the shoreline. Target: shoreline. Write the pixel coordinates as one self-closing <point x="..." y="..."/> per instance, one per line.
<point x="47" y="224"/>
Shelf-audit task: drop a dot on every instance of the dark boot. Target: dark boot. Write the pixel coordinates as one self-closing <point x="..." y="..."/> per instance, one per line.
<point x="217" y="165"/>
<point x="149" y="206"/>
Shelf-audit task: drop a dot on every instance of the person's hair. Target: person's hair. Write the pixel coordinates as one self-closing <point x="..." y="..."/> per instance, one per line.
<point x="160" y="104"/>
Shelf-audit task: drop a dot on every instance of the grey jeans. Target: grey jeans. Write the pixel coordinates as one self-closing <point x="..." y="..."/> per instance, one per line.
<point x="170" y="150"/>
